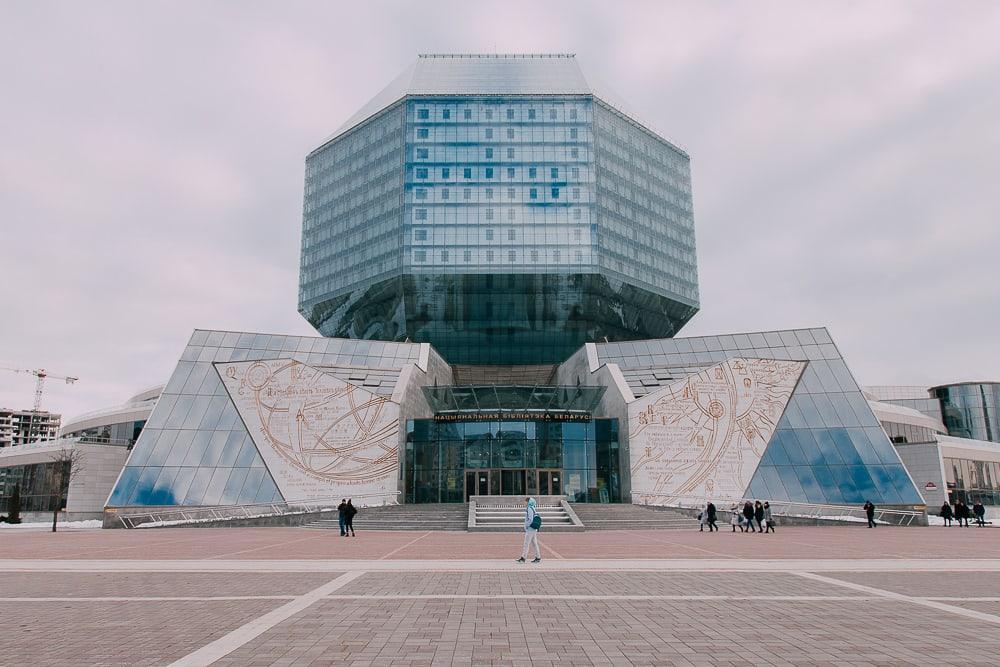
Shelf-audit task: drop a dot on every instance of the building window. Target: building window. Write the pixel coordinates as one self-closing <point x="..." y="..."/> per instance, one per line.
<point x="489" y="214"/>
<point x="555" y="193"/>
<point x="576" y="193"/>
<point x="489" y="114"/>
<point x="445" y="193"/>
<point x="444" y="256"/>
<point x="510" y="173"/>
<point x="575" y="172"/>
<point x="572" y="114"/>
<point x="511" y="214"/>
<point x="421" y="153"/>
<point x="511" y="235"/>
<point x="419" y="255"/>
<point x="556" y="256"/>
<point x="532" y="172"/>
<point x="574" y="152"/>
<point x="578" y="256"/>
<point x="421" y="193"/>
<point x="423" y="114"/>
<point x="489" y="133"/>
<point x="489" y="153"/>
<point x="511" y="255"/>
<point x="419" y="234"/>
<point x="533" y="193"/>
<point x="534" y="255"/>
<point x="511" y="193"/>
<point x="446" y="172"/>
<point x="552" y="114"/>
<point x="467" y="172"/>
<point x="510" y="133"/>
<point x="531" y="114"/>
<point x="572" y="133"/>
<point x="446" y="114"/>
<point x="489" y="234"/>
<point x="489" y="255"/>
<point x="576" y="234"/>
<point x="489" y="193"/>
<point x="510" y="153"/>
<point x="554" y="172"/>
<point x="467" y="256"/>
<point x="421" y="173"/>
<point x="467" y="193"/>
<point x="489" y="172"/>
<point x="467" y="114"/>
<point x="510" y="114"/>
<point x="422" y="133"/>
<point x="577" y="214"/>
<point x="420" y="214"/>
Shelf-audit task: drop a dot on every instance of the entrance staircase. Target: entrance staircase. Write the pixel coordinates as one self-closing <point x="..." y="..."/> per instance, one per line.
<point x="506" y="514"/>
<point x="634" y="517"/>
<point x="443" y="516"/>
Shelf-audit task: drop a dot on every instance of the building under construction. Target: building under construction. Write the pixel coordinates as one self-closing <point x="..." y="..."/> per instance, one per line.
<point x="19" y="427"/>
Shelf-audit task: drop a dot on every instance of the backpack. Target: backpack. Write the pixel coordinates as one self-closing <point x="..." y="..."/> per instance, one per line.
<point x="536" y="522"/>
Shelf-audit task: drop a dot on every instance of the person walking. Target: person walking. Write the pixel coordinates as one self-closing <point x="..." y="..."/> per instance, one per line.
<point x="748" y="516"/>
<point x="349" y="518"/>
<point x="870" y="513"/>
<point x="946" y="513"/>
<point x="980" y="512"/>
<point x="735" y="518"/>
<point x="768" y="518"/>
<point x="532" y="524"/>
<point x="711" y="514"/>
<point x="962" y="513"/>
<point x="702" y="517"/>
<point x="758" y="515"/>
<point x="342" y="516"/>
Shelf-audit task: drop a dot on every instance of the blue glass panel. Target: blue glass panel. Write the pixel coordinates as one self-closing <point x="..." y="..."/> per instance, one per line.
<point x="267" y="491"/>
<point x="863" y="446"/>
<point x="248" y="494"/>
<point x="810" y="448"/>
<point x="247" y="454"/>
<point x="159" y="453"/>
<point x="125" y="486"/>
<point x="233" y="486"/>
<point x="882" y="446"/>
<point x="144" y="487"/>
<point x="775" y="453"/>
<point x="182" y="483"/>
<point x="162" y="493"/>
<point x="182" y="443"/>
<point x="810" y="414"/>
<point x="904" y="487"/>
<point x="845" y="447"/>
<point x="827" y="446"/>
<point x="790" y="482"/>
<point x="198" y="485"/>
<point x="196" y="450"/>
<point x="863" y="482"/>
<point x="811" y="488"/>
<point x="793" y="449"/>
<point x="757" y="487"/>
<point x="773" y="483"/>
<point x="215" y="449"/>
<point x="828" y="483"/>
<point x="231" y="451"/>
<point x="213" y="494"/>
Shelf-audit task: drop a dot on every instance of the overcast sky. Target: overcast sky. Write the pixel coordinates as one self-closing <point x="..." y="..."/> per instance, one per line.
<point x="844" y="159"/>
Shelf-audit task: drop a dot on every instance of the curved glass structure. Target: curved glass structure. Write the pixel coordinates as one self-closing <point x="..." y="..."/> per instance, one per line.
<point x="500" y="209"/>
<point x="970" y="409"/>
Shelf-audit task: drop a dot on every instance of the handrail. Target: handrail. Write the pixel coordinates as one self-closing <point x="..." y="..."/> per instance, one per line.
<point x="786" y="508"/>
<point x="222" y="512"/>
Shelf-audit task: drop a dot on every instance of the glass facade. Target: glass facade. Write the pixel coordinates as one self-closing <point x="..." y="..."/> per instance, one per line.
<point x="120" y="432"/>
<point x="507" y="221"/>
<point x="37" y="483"/>
<point x="970" y="481"/>
<point x="828" y="447"/>
<point x="970" y="410"/>
<point x="449" y="461"/>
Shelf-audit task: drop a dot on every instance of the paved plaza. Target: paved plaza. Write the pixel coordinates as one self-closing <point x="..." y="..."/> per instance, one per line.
<point x="281" y="596"/>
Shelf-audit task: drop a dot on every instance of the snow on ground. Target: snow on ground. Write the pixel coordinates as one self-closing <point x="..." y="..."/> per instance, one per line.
<point x="47" y="525"/>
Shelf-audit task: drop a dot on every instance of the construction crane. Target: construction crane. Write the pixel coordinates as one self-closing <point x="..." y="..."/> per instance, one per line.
<point x="41" y="375"/>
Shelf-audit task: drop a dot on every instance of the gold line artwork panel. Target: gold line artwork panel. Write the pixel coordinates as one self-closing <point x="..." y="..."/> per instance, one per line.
<point x="704" y="436"/>
<point x="319" y="435"/>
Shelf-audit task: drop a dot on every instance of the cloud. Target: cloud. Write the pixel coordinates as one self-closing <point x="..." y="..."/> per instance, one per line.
<point x="151" y="165"/>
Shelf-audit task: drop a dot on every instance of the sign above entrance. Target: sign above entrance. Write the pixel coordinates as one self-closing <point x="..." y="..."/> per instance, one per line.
<point x="549" y="416"/>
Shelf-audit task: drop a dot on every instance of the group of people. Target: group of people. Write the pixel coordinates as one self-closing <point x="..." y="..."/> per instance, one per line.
<point x="752" y="513"/>
<point x="345" y="517"/>
<point x="961" y="513"/>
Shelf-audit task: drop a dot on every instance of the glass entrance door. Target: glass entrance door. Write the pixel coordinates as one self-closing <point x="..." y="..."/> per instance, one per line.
<point x="496" y="482"/>
<point x="550" y="482"/>
<point x="477" y="483"/>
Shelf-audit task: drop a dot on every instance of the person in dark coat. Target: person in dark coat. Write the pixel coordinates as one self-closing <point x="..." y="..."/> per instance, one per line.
<point x="342" y="516"/>
<point x="962" y="513"/>
<point x="758" y="516"/>
<point x="748" y="516"/>
<point x="711" y="514"/>
<point x="946" y="513"/>
<point x="349" y="516"/>
<point x="870" y="513"/>
<point x="980" y="513"/>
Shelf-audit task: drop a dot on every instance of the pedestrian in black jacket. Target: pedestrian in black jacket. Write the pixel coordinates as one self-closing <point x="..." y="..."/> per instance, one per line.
<point x="870" y="513"/>
<point x="711" y="516"/>
<point x="946" y="513"/>
<point x="962" y="513"/>
<point x="349" y="515"/>
<point x="758" y="515"/>
<point x="978" y="510"/>
<point x="748" y="516"/>
<point x="342" y="516"/>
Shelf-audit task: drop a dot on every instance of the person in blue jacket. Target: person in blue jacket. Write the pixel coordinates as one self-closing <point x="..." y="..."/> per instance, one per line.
<point x="531" y="526"/>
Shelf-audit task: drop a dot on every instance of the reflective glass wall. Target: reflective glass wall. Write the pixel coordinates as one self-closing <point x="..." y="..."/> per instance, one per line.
<point x="36" y="483"/>
<point x="970" y="481"/>
<point x="971" y="410"/>
<point x="438" y="455"/>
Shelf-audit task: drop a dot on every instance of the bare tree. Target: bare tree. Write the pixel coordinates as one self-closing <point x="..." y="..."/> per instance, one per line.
<point x="67" y="464"/>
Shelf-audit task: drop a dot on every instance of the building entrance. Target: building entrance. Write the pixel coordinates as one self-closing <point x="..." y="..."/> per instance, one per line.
<point x="550" y="482"/>
<point x="493" y="482"/>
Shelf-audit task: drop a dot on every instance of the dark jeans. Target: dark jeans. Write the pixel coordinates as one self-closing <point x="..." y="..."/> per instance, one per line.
<point x="749" y="523"/>
<point x="769" y="526"/>
<point x="871" y="520"/>
<point x="342" y="522"/>
<point x="349" y="526"/>
<point x="712" y="525"/>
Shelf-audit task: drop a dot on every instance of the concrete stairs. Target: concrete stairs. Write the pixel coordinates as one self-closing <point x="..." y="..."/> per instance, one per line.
<point x="443" y="516"/>
<point x="499" y="516"/>
<point x="634" y="517"/>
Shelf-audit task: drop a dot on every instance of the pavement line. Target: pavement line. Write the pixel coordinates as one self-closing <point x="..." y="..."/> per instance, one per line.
<point x="266" y="546"/>
<point x="112" y="598"/>
<point x="638" y="598"/>
<point x="687" y="546"/>
<point x="231" y="641"/>
<point x="924" y="602"/>
<point x="555" y="553"/>
<point x="411" y="542"/>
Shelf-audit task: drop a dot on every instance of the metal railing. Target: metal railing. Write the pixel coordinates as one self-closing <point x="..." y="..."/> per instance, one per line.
<point x="853" y="513"/>
<point x="179" y="516"/>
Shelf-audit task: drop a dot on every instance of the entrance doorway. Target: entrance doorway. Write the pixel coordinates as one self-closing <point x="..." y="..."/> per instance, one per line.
<point x="496" y="482"/>
<point x="550" y="482"/>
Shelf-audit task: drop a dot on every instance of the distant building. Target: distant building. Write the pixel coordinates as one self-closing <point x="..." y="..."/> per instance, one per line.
<point x="20" y="427"/>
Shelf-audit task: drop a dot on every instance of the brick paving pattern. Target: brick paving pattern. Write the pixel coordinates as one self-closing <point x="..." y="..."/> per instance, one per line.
<point x="952" y="584"/>
<point x="157" y="584"/>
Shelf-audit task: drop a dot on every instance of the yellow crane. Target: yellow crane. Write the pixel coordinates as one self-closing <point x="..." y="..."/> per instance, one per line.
<point x="41" y="375"/>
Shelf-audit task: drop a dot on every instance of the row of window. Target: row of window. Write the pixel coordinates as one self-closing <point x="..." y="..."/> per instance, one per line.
<point x="445" y="193"/>
<point x="421" y="214"/>
<point x="510" y="114"/>
<point x="467" y="172"/>
<point x="487" y="133"/>
<point x="420" y="256"/>
<point x="420" y="234"/>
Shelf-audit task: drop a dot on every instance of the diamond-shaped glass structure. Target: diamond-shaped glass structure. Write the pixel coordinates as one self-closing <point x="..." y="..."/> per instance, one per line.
<point x="501" y="208"/>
